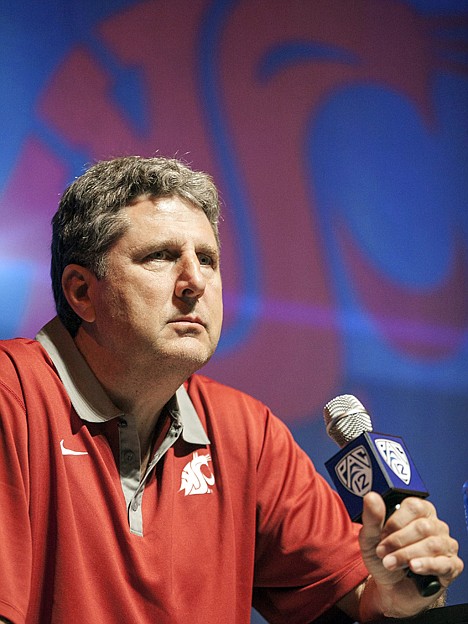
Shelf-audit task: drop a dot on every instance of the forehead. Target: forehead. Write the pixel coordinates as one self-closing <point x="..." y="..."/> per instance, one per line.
<point x="167" y="216"/>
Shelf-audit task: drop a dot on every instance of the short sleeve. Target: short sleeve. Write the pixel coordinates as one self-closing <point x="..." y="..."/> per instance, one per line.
<point x="15" y="532"/>
<point x="307" y="554"/>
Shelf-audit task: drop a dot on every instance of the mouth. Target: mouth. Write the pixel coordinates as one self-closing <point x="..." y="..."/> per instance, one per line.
<point x="188" y="321"/>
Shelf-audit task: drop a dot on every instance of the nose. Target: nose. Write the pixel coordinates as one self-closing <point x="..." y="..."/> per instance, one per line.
<point x="191" y="282"/>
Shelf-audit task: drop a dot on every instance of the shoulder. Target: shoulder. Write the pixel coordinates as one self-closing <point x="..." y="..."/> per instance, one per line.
<point x="20" y="347"/>
<point x="226" y="404"/>
<point x="21" y="351"/>
<point x="234" y="414"/>
<point x="21" y="359"/>
<point x="221" y="393"/>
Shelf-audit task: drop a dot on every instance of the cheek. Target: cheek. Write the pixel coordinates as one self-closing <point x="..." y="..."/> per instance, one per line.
<point x="148" y="304"/>
<point x="117" y="303"/>
<point x="217" y="305"/>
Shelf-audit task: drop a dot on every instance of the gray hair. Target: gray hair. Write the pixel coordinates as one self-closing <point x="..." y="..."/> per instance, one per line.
<point x="87" y="222"/>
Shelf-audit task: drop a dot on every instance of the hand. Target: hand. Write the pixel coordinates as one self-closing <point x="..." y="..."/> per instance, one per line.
<point x="413" y="537"/>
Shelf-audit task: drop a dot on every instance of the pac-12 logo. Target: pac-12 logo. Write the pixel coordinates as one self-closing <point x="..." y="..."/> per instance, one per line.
<point x="193" y="479"/>
<point x="394" y="456"/>
<point x="354" y="471"/>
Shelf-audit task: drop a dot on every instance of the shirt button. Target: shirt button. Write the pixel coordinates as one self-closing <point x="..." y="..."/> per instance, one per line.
<point x="134" y="505"/>
<point x="128" y="456"/>
<point x="122" y="422"/>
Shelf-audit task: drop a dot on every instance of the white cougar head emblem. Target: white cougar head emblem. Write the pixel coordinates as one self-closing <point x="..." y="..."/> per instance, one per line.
<point x="193" y="480"/>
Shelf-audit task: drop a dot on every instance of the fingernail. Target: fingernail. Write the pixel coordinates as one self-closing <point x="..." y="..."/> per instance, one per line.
<point x="380" y="551"/>
<point x="389" y="562"/>
<point x="416" y="565"/>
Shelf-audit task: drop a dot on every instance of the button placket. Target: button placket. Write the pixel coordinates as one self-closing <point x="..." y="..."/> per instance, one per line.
<point x="132" y="484"/>
<point x="129" y="454"/>
<point x="172" y="435"/>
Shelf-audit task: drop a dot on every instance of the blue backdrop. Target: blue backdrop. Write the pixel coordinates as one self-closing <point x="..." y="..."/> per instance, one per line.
<point x="338" y="134"/>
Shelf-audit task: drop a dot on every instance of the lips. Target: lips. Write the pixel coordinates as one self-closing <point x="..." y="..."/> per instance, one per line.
<point x="196" y="320"/>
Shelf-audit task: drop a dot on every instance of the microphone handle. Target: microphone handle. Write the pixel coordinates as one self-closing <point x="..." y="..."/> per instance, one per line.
<point x="427" y="585"/>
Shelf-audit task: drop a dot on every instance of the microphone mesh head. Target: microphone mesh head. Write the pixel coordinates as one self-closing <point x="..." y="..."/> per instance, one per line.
<point x="345" y="419"/>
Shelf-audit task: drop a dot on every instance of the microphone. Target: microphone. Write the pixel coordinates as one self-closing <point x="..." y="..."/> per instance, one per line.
<point x="371" y="461"/>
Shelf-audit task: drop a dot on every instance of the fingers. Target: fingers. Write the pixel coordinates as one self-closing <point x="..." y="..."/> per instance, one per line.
<point x="412" y="537"/>
<point x="411" y="509"/>
<point x="415" y="537"/>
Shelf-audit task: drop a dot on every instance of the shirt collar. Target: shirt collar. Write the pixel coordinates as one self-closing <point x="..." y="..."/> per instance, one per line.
<point x="88" y="396"/>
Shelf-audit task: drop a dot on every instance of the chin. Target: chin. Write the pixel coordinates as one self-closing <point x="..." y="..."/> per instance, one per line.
<point x="192" y="357"/>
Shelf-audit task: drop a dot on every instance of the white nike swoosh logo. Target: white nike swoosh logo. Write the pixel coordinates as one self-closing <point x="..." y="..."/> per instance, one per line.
<point x="66" y="451"/>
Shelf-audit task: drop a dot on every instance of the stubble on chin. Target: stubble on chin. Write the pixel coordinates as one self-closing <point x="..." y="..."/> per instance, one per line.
<point x="186" y="357"/>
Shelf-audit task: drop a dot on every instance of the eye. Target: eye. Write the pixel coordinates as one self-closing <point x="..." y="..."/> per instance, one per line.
<point x="205" y="259"/>
<point x="160" y="254"/>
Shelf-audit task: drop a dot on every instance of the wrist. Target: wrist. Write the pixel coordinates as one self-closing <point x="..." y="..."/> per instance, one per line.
<point x="370" y="607"/>
<point x="376" y="603"/>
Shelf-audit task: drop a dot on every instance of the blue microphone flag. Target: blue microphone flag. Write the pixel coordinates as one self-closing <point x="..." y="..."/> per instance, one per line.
<point x="377" y="462"/>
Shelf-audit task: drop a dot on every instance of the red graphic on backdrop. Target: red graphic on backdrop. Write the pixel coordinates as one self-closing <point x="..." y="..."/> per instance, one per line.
<point x="291" y="364"/>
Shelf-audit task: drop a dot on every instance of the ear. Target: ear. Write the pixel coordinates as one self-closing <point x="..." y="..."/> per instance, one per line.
<point x="76" y="283"/>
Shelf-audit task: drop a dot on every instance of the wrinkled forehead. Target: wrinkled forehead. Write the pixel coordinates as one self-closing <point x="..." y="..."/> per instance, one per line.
<point x="166" y="219"/>
<point x="167" y="209"/>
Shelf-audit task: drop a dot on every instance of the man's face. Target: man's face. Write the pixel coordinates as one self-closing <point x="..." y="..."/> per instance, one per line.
<point x="161" y="298"/>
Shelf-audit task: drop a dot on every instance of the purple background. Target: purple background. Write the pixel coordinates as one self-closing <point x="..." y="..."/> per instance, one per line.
<point x="337" y="132"/>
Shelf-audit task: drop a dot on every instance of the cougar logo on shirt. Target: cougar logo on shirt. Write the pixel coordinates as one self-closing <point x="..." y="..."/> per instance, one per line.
<point x="193" y="479"/>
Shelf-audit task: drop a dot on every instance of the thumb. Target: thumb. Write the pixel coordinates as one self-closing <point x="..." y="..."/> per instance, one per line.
<point x="373" y="520"/>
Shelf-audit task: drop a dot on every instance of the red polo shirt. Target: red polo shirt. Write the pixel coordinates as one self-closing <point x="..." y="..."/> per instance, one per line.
<point x="229" y="505"/>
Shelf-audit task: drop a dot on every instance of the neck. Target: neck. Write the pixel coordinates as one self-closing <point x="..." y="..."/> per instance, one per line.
<point x="137" y="387"/>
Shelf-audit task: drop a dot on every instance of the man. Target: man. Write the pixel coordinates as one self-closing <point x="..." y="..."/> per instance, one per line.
<point x="136" y="491"/>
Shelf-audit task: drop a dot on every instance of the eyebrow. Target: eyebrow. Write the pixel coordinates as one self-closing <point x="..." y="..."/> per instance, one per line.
<point x="207" y="248"/>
